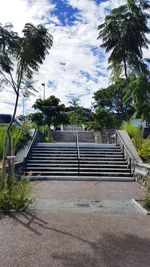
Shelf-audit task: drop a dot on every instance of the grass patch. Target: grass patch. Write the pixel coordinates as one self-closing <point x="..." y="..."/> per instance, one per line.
<point x="18" y="198"/>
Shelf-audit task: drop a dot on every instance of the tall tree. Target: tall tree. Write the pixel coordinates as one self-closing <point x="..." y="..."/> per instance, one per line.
<point x="51" y="112"/>
<point x="123" y="35"/>
<point x="112" y="100"/>
<point x="138" y="92"/>
<point x="20" y="57"/>
<point x="76" y="113"/>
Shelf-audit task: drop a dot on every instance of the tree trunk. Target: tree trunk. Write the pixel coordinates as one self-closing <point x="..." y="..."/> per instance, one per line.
<point x="8" y="147"/>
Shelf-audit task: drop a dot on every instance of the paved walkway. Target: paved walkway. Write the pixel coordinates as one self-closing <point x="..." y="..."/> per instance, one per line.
<point x="86" y="197"/>
<point x="58" y="238"/>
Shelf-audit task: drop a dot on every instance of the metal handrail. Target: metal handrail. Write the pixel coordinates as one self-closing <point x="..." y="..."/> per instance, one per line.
<point x="30" y="147"/>
<point x="78" y="150"/>
<point x="125" y="147"/>
<point x="139" y="169"/>
<point x="127" y="153"/>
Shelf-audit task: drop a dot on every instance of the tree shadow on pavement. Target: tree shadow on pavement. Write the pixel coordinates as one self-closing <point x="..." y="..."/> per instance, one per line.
<point x="111" y="250"/>
<point x="30" y="220"/>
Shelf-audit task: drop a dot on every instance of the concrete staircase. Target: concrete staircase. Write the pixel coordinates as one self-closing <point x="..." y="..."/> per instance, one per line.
<point x="58" y="161"/>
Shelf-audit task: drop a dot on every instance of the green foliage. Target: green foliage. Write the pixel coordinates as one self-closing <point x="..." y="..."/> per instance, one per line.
<point x="123" y="35"/>
<point x="37" y="118"/>
<point x="51" y="112"/>
<point x="146" y="200"/>
<point x="138" y="93"/>
<point x="144" y="150"/>
<point x="112" y="99"/>
<point x="2" y="139"/>
<point x="20" y="57"/>
<point x="100" y="119"/>
<point x="142" y="145"/>
<point x="126" y="99"/>
<point x="20" y="136"/>
<point x="76" y="114"/>
<point x="134" y="132"/>
<point x="18" y="198"/>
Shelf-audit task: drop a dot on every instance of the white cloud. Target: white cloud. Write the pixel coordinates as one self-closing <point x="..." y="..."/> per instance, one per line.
<point x="71" y="55"/>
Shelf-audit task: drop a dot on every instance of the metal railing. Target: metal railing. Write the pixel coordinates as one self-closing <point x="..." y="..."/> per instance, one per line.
<point x="78" y="150"/>
<point x="127" y="154"/>
<point x="136" y="165"/>
<point x="29" y="151"/>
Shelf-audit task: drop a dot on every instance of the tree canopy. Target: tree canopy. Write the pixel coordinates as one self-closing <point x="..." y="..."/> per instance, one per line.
<point x="20" y="57"/>
<point x="51" y="112"/>
<point x="123" y="35"/>
<point x="112" y="99"/>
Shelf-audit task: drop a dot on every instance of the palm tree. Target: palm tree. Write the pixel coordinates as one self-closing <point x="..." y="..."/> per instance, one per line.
<point x="20" y="57"/>
<point x="123" y="35"/>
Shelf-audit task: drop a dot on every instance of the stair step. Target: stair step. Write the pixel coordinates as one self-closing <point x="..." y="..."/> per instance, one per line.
<point x="81" y="172"/>
<point x="59" y="161"/>
<point x="76" y="164"/>
<point x="54" y="150"/>
<point x="69" y="159"/>
<point x="75" y="156"/>
<point x="43" y="160"/>
<point x="76" y="168"/>
<point x="82" y="178"/>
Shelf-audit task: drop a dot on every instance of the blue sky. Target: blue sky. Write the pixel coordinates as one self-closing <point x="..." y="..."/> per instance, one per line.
<point x="76" y="66"/>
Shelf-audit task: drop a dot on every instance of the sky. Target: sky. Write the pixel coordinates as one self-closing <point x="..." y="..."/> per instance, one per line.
<point x="76" y="66"/>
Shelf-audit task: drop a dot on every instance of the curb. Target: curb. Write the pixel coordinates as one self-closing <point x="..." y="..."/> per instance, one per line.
<point x="143" y="210"/>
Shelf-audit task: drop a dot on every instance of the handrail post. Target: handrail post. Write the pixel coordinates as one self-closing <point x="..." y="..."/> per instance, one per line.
<point x="116" y="139"/>
<point x="78" y="151"/>
<point x="130" y="166"/>
<point x="123" y="151"/>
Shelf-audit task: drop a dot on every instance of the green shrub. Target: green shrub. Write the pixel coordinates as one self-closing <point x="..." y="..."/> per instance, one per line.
<point x="134" y="132"/>
<point x="144" y="150"/>
<point x="2" y="138"/>
<point x="18" y="198"/>
<point x="146" y="200"/>
<point x="20" y="135"/>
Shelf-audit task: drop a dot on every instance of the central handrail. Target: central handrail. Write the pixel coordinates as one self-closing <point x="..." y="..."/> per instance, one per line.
<point x="78" y="150"/>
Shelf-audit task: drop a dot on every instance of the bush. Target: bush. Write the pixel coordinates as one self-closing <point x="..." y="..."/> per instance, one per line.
<point x="135" y="135"/>
<point x="144" y="150"/>
<point x="20" y="136"/>
<point x="2" y="138"/>
<point x="134" y="132"/>
<point x="146" y="200"/>
<point x="18" y="198"/>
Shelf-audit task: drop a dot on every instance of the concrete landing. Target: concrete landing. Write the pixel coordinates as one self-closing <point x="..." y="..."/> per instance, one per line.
<point x="84" y="206"/>
<point x="86" y="197"/>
